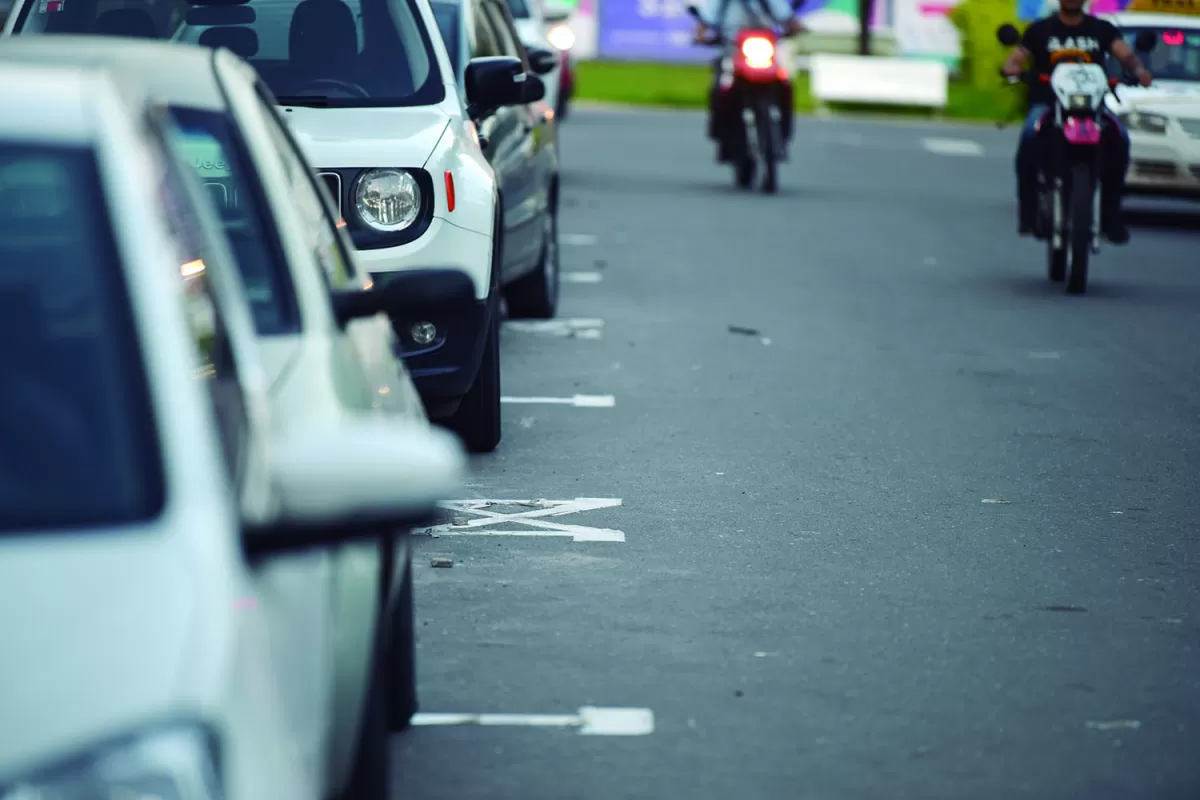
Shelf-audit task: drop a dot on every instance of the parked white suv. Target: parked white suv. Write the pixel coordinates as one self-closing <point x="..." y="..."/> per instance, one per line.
<point x="159" y="533"/>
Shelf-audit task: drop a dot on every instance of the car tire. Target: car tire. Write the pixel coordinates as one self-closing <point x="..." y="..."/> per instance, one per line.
<point x="477" y="420"/>
<point x="370" y="776"/>
<point x="535" y="296"/>
<point x="402" y="655"/>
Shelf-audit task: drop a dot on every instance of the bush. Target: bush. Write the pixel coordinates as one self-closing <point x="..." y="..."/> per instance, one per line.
<point x="982" y="53"/>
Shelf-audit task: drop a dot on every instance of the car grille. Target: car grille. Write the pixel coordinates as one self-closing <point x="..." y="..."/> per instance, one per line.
<point x="1155" y="169"/>
<point x="1191" y="127"/>
<point x="333" y="182"/>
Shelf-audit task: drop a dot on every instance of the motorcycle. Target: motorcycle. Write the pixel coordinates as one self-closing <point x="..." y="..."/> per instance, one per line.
<point x="1068" y="213"/>
<point x="756" y="83"/>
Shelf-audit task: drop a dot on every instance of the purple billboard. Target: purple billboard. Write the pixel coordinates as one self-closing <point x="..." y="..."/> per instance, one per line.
<point x="652" y="30"/>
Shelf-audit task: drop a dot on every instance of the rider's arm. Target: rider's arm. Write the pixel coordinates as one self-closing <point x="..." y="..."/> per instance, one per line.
<point x="1122" y="52"/>
<point x="1016" y="59"/>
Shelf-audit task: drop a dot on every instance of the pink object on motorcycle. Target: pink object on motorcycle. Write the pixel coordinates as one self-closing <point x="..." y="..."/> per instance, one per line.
<point x="1079" y="130"/>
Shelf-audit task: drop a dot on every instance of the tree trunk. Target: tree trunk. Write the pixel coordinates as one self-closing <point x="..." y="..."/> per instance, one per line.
<point x="865" y="7"/>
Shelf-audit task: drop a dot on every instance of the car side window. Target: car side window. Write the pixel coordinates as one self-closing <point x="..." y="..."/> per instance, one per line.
<point x="510" y="44"/>
<point x="319" y="226"/>
<point x="217" y="366"/>
<point x="485" y="42"/>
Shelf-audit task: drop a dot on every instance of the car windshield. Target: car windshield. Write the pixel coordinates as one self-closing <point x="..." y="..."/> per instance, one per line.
<point x="78" y="444"/>
<point x="309" y="52"/>
<point x="446" y="15"/>
<point x="208" y="142"/>
<point x="1176" y="54"/>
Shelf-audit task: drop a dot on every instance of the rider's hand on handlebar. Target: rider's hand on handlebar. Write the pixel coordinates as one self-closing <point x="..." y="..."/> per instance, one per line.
<point x="704" y="34"/>
<point x="1143" y="76"/>
<point x="794" y="26"/>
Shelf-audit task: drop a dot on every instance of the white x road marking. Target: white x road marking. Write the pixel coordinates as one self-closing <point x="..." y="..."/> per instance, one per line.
<point x="577" y="401"/>
<point x="589" y="721"/>
<point x="574" y="328"/>
<point x="533" y="517"/>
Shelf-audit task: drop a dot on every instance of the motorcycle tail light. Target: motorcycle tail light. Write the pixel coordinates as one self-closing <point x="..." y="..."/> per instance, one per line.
<point x="759" y="52"/>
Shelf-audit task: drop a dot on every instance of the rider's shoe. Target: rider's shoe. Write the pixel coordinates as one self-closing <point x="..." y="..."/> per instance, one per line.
<point x="1115" y="230"/>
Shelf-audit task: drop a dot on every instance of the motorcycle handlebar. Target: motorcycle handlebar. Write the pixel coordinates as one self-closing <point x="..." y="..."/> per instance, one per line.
<point x="1027" y="76"/>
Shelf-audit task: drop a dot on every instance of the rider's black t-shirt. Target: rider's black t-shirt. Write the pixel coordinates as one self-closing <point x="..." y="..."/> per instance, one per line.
<point x="1043" y="39"/>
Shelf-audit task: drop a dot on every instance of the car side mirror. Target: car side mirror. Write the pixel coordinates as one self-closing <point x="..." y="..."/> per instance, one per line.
<point x="407" y="293"/>
<point x="1145" y="42"/>
<point x="492" y="82"/>
<point x="355" y="479"/>
<point x="535" y="89"/>
<point x="1008" y="35"/>
<point x="542" y="61"/>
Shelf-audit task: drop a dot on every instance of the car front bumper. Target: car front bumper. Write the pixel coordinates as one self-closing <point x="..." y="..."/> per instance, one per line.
<point x="1167" y="163"/>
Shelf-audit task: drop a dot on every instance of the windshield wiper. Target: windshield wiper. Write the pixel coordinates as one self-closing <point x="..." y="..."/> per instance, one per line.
<point x="306" y="100"/>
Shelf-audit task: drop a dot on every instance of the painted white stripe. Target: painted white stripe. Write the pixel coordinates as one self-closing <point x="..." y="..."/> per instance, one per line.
<point x="570" y="328"/>
<point x="576" y="533"/>
<point x="533" y="515"/>
<point x="577" y="239"/>
<point x="952" y="147"/>
<point x="577" y="401"/>
<point x="589" y="721"/>
<point x="580" y="276"/>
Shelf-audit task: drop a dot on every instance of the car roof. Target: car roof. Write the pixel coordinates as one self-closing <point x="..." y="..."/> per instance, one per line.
<point x="171" y="71"/>
<point x="1139" y="18"/>
<point x="53" y="100"/>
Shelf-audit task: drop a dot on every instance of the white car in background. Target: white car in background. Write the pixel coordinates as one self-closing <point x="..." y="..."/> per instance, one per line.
<point x="326" y="348"/>
<point x="1163" y="119"/>
<point x="549" y="29"/>
<point x="367" y="88"/>
<point x="160" y="535"/>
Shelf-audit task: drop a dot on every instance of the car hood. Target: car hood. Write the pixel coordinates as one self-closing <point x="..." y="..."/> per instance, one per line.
<point x="96" y="629"/>
<point x="367" y="137"/>
<point x="1166" y="94"/>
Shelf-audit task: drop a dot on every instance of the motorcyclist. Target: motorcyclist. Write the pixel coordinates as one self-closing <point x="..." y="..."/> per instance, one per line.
<point x="1070" y="29"/>
<point x="726" y="18"/>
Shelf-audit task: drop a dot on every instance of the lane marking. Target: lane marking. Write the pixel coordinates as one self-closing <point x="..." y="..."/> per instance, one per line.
<point x="580" y="276"/>
<point x="952" y="147"/>
<point x="576" y="401"/>
<point x="533" y="516"/>
<point x="576" y="239"/>
<point x="569" y="328"/>
<point x="588" y="721"/>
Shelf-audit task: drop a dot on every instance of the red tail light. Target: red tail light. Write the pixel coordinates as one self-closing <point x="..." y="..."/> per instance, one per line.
<point x="754" y="57"/>
<point x="759" y="52"/>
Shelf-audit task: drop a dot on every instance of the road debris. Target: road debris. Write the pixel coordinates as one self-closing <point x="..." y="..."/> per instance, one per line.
<point x="1114" y="725"/>
<point x="744" y="331"/>
<point x="997" y="501"/>
<point x="441" y="562"/>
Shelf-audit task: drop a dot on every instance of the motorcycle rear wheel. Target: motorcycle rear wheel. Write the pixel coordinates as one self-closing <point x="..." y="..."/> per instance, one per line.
<point x="1081" y="211"/>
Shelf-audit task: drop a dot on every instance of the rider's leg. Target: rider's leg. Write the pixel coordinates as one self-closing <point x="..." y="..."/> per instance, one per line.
<point x="1028" y="163"/>
<point x="713" y="101"/>
<point x="1112" y="179"/>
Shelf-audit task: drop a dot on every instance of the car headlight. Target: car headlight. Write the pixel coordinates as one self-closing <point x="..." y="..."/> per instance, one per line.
<point x="175" y="764"/>
<point x="1145" y="123"/>
<point x="387" y="200"/>
<point x="561" y="37"/>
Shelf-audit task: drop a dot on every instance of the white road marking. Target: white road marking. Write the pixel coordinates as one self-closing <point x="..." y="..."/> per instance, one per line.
<point x="580" y="276"/>
<point x="577" y="401"/>
<point x="570" y="328"/>
<point x="534" y="516"/>
<point x="1049" y="355"/>
<point x="576" y="239"/>
<point x="589" y="721"/>
<point x="952" y="147"/>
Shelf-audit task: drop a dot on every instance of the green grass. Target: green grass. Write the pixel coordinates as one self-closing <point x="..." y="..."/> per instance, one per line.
<point x="687" y="85"/>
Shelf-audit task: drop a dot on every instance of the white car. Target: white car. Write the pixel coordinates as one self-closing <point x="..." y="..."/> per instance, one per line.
<point x="1163" y="119"/>
<point x="367" y="88"/>
<point x="549" y="29"/>
<point x="159" y="529"/>
<point x="327" y="355"/>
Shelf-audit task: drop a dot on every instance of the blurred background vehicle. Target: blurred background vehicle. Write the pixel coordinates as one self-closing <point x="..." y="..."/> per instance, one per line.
<point x="372" y="100"/>
<point x="521" y="144"/>
<point x="1163" y="119"/>
<point x="159" y="527"/>
<point x="548" y="29"/>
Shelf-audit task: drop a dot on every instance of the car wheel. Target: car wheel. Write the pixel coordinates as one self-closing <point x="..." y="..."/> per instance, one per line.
<point x="402" y="655"/>
<point x="535" y="296"/>
<point x="477" y="420"/>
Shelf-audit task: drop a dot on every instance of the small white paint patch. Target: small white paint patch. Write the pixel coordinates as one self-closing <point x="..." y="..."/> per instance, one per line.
<point x="533" y="517"/>
<point x="526" y="422"/>
<point x="588" y="721"/>
<point x="577" y="239"/>
<point x="997" y="501"/>
<point x="580" y="276"/>
<point x="952" y="147"/>
<point x="1046" y="354"/>
<point x="567" y="328"/>
<point x="576" y="401"/>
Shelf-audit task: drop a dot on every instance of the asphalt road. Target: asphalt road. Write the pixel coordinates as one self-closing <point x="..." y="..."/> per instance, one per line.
<point x="815" y="596"/>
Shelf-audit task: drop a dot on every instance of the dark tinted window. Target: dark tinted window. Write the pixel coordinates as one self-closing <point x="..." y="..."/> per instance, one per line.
<point x="77" y="442"/>
<point x="519" y="9"/>
<point x="208" y="141"/>
<point x="1176" y="54"/>
<point x="343" y="52"/>
<point x="446" y="15"/>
